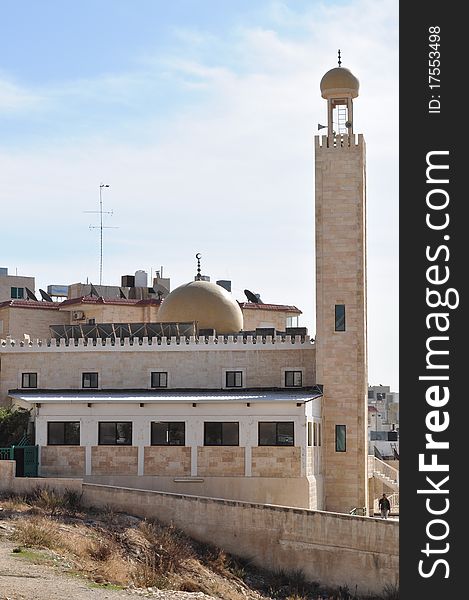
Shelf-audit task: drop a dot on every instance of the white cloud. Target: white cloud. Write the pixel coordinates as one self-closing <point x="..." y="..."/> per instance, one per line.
<point x="229" y="175"/>
<point x="15" y="99"/>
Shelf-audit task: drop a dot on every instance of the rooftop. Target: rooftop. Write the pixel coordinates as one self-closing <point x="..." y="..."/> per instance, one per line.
<point x="130" y="302"/>
<point x="281" y="307"/>
<point x="31" y="304"/>
<point x="108" y="301"/>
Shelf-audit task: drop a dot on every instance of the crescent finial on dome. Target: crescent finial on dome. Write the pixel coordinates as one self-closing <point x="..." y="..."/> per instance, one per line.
<point x="198" y="277"/>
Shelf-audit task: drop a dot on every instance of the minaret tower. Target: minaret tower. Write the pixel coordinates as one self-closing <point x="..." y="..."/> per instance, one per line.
<point x="341" y="348"/>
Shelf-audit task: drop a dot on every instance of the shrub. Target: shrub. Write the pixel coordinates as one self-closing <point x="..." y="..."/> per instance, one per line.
<point x="35" y="532"/>
<point x="48" y="499"/>
<point x="13" y="425"/>
<point x="73" y="500"/>
<point x="169" y="546"/>
<point x="101" y="550"/>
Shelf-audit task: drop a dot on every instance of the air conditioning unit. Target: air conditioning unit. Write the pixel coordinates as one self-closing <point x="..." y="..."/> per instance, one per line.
<point x="78" y="315"/>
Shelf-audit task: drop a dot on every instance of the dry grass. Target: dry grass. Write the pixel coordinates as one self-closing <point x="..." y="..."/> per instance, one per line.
<point x="143" y="554"/>
<point x="15" y="503"/>
<point x="36" y="532"/>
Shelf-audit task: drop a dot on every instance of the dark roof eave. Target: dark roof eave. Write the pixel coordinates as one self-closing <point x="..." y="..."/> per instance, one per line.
<point x="173" y="396"/>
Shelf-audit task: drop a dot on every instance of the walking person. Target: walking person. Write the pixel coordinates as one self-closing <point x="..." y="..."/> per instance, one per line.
<point x="384" y="506"/>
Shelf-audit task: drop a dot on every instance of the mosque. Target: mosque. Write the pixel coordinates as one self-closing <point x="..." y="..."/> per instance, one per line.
<point x="205" y="395"/>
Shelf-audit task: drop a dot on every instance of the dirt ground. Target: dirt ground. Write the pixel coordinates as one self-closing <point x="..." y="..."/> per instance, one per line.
<point x="21" y="579"/>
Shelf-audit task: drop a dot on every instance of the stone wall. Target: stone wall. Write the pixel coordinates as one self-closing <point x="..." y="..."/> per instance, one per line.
<point x="220" y="461"/>
<point x="59" y="461"/>
<point x="119" y="460"/>
<point x="112" y="313"/>
<point x="33" y="321"/>
<point x="269" y="461"/>
<point x="4" y="321"/>
<point x="331" y="548"/>
<point x="256" y="316"/>
<point x="316" y="491"/>
<point x="341" y="356"/>
<point x="294" y="492"/>
<point x="334" y="549"/>
<point x="189" y="364"/>
<point x="9" y="281"/>
<point x="309" y="461"/>
<point x="167" y="461"/>
<point x="24" y="485"/>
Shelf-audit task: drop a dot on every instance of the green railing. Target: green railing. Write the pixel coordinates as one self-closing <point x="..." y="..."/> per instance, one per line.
<point x="358" y="511"/>
<point x="30" y="461"/>
<point x="24" y="441"/>
<point x="6" y="453"/>
<point x="26" y="459"/>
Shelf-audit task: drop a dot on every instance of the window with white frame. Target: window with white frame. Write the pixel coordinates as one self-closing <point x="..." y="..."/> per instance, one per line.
<point x="63" y="433"/>
<point x="293" y="378"/>
<point x="291" y="321"/>
<point x="89" y="380"/>
<point x="29" y="380"/>
<point x="221" y="433"/>
<point x="159" y="379"/>
<point x="233" y="379"/>
<point x="168" y="433"/>
<point x="112" y="433"/>
<point x="276" y="433"/>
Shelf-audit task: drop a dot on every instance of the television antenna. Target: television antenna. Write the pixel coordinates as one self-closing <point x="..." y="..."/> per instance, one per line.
<point x="101" y="212"/>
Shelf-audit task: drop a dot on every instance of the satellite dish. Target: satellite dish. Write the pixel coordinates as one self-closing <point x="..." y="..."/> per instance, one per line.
<point x="45" y="296"/>
<point x="253" y="297"/>
<point x="30" y="294"/>
<point x="93" y="291"/>
<point x="121" y="294"/>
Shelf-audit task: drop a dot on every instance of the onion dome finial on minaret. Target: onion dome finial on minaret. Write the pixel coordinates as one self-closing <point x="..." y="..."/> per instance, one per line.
<point x="339" y="82"/>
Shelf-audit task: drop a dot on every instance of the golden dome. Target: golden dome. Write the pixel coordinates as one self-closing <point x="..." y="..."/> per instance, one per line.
<point x="207" y="303"/>
<point x="339" y="81"/>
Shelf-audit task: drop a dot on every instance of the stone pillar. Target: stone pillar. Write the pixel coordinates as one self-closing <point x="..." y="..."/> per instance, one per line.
<point x="7" y="475"/>
<point x="341" y="356"/>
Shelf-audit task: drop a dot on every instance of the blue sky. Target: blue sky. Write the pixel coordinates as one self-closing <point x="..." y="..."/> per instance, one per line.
<point x="201" y="116"/>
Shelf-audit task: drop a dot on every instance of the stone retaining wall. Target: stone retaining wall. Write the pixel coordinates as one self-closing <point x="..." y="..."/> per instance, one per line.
<point x="334" y="549"/>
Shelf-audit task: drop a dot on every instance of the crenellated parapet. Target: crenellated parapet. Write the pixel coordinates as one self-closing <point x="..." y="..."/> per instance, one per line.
<point x="181" y="343"/>
<point x="338" y="142"/>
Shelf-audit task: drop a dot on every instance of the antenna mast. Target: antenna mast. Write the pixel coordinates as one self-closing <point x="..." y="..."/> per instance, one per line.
<point x="100" y="212"/>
